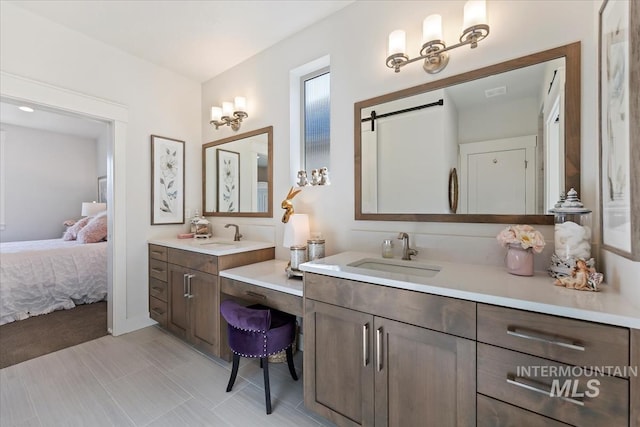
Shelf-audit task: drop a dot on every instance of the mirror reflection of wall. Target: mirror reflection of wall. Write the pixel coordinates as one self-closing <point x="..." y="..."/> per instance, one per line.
<point x="237" y="175"/>
<point x="503" y="133"/>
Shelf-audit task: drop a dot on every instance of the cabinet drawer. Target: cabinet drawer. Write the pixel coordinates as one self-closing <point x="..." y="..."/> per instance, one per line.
<point x="158" y="311"/>
<point x="259" y="295"/>
<point x="527" y="381"/>
<point x="575" y="342"/>
<point x="158" y="289"/>
<point x="193" y="260"/>
<point x="158" y="252"/>
<point x="158" y="270"/>
<point x="494" y="413"/>
<point x="449" y="315"/>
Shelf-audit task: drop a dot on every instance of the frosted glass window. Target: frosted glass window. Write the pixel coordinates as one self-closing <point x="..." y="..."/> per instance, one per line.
<point x="316" y="121"/>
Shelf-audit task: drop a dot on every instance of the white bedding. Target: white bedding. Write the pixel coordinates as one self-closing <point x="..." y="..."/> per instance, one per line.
<point x="40" y="276"/>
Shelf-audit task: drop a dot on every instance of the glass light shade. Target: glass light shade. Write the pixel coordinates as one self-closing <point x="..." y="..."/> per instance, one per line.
<point x="240" y="103"/>
<point x="227" y="109"/>
<point x="397" y="42"/>
<point x="432" y="28"/>
<point x="92" y="208"/>
<point x="475" y="13"/>
<point x="296" y="231"/>
<point x="216" y="114"/>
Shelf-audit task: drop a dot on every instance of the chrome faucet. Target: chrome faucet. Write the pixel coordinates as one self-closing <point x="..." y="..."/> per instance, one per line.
<point x="237" y="235"/>
<point x="406" y="250"/>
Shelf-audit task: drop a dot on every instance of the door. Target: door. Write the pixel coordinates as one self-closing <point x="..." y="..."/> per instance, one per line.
<point x="423" y="377"/>
<point x="338" y="363"/>
<point x="498" y="176"/>
<point x="203" y="300"/>
<point x="178" y="321"/>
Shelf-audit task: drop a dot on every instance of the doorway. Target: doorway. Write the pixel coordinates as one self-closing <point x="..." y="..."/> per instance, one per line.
<point x="17" y="88"/>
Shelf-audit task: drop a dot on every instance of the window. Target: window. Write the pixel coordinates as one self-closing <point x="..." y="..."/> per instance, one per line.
<point x="315" y="129"/>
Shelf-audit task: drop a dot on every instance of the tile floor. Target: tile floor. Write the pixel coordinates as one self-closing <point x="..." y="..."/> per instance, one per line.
<point x="146" y="378"/>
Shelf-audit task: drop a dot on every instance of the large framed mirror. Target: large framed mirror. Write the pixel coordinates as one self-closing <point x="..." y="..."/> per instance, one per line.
<point x="508" y="135"/>
<point x="237" y="175"/>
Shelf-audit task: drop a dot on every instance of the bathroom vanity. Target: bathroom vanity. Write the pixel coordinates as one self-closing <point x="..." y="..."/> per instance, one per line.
<point x="451" y="346"/>
<point x="184" y="284"/>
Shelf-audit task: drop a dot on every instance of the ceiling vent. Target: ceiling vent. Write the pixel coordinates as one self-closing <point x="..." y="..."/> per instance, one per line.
<point x="496" y="91"/>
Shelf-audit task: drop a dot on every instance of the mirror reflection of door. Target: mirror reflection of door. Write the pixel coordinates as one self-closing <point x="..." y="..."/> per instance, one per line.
<point x="553" y="144"/>
<point x="498" y="176"/>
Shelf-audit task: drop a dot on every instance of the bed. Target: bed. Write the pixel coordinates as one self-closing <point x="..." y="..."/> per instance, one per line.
<point x="41" y="276"/>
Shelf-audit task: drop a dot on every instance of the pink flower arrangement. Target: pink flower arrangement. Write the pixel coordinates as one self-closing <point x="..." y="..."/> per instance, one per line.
<point x="524" y="235"/>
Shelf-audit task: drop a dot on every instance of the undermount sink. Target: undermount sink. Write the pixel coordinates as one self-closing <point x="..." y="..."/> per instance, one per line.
<point x="209" y="242"/>
<point x="411" y="268"/>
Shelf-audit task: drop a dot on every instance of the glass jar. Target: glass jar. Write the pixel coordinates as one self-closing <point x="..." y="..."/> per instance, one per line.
<point x="387" y="248"/>
<point x="203" y="228"/>
<point x="193" y="222"/>
<point x="572" y="235"/>
<point x="315" y="249"/>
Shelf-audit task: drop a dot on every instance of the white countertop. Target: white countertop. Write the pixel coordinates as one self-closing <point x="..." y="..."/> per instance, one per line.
<point x="492" y="285"/>
<point x="212" y="246"/>
<point x="267" y="274"/>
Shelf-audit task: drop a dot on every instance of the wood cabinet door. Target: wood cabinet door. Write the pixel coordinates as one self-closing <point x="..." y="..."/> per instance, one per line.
<point x="338" y="363"/>
<point x="178" y="320"/>
<point x="204" y="309"/>
<point x="422" y="377"/>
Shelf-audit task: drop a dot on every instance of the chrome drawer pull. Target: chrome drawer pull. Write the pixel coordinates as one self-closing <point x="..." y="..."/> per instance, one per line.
<point x="379" y="348"/>
<point x="184" y="285"/>
<point x="365" y="344"/>
<point x="157" y="270"/>
<point x="157" y="252"/>
<point x="157" y="289"/>
<point x="536" y="336"/>
<point x="514" y="381"/>
<point x="255" y="294"/>
<point x="189" y="277"/>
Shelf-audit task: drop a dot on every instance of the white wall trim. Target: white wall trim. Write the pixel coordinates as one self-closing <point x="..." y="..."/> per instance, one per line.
<point x="2" y="179"/>
<point x="23" y="89"/>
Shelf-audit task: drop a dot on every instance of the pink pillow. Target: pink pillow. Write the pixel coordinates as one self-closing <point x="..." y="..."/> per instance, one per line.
<point x="72" y="232"/>
<point x="95" y="231"/>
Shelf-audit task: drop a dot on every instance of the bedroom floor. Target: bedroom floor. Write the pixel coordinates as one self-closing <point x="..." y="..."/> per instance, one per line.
<point x="146" y="378"/>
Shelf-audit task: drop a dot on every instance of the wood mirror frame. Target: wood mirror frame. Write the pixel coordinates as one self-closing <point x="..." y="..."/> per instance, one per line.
<point x="572" y="111"/>
<point x="268" y="131"/>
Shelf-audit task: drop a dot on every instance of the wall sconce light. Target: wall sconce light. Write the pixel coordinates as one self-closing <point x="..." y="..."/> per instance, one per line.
<point x="433" y="47"/>
<point x="230" y="114"/>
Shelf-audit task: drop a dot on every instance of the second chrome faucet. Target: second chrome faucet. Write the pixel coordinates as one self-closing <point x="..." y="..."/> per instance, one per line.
<point x="406" y="250"/>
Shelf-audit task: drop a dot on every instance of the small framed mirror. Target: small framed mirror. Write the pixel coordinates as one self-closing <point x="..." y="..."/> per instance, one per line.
<point x="237" y="175"/>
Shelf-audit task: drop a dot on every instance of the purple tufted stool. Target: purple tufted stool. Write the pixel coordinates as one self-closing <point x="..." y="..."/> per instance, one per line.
<point x="258" y="331"/>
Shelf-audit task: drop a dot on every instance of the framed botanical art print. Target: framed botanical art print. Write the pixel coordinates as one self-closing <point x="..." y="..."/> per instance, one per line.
<point x="619" y="77"/>
<point x="167" y="180"/>
<point x="228" y="166"/>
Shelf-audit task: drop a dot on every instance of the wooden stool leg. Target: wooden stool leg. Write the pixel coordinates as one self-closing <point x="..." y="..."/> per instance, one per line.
<point x="234" y="371"/>
<point x="292" y="369"/>
<point x="267" y="390"/>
